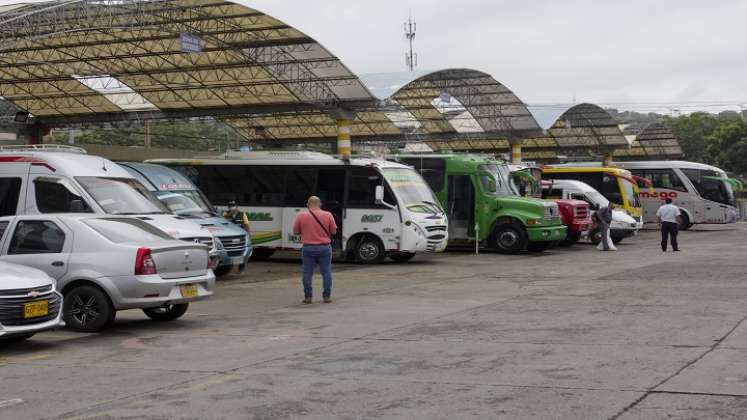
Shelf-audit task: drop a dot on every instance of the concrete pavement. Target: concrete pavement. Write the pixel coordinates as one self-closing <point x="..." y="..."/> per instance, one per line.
<point x="569" y="334"/>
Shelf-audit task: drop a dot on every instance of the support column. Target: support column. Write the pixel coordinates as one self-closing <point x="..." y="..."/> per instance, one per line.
<point x="343" y="138"/>
<point x="344" y="120"/>
<point x="515" y="151"/>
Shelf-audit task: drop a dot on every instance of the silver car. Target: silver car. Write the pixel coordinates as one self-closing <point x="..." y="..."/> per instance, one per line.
<point x="105" y="264"/>
<point x="29" y="302"/>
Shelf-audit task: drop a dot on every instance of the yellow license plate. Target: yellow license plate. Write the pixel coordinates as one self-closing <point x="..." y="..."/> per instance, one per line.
<point x="36" y="309"/>
<point x="189" y="290"/>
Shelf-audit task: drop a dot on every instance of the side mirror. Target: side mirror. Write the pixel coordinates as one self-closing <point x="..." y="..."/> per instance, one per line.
<point x="379" y="194"/>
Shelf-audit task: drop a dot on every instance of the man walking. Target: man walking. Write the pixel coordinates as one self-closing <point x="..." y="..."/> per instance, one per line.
<point x="240" y="218"/>
<point x="668" y="218"/>
<point x="317" y="228"/>
<point x="604" y="216"/>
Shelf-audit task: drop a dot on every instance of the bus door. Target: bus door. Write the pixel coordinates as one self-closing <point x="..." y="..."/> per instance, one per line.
<point x="362" y="214"/>
<point x="461" y="207"/>
<point x="331" y="190"/>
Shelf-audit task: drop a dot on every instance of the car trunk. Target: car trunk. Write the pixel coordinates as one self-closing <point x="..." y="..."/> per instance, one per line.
<point x="173" y="262"/>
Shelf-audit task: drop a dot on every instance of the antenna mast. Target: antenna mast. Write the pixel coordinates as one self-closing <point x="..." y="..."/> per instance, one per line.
<point x="411" y="58"/>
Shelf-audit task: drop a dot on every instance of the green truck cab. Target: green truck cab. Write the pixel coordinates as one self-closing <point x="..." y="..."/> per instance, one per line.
<point x="482" y="203"/>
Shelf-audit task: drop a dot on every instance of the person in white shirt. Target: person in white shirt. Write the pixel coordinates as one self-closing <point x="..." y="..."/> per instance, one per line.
<point x="668" y="217"/>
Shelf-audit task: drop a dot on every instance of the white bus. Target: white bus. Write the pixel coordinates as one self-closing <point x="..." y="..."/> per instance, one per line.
<point x="704" y="193"/>
<point x="383" y="208"/>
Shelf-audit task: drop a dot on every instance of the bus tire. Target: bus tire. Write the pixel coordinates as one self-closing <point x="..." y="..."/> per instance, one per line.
<point x="595" y="236"/>
<point x="509" y="238"/>
<point x="570" y="239"/>
<point x="369" y="250"/>
<point x="684" y="221"/>
<point x="402" y="256"/>
<point x="261" y="254"/>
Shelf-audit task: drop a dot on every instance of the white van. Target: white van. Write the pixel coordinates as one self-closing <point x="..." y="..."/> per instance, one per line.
<point x="382" y="208"/>
<point x="622" y="225"/>
<point x="50" y="179"/>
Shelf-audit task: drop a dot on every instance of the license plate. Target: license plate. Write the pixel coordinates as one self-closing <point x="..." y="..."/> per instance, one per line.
<point x="36" y="309"/>
<point x="189" y="290"/>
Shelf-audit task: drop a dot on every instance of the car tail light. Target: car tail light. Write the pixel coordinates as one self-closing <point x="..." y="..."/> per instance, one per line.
<point x="144" y="264"/>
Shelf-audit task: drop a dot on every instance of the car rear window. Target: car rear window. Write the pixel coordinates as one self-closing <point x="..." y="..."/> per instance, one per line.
<point x="120" y="230"/>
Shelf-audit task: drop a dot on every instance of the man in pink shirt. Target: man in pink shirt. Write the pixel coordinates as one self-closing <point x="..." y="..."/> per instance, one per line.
<point x="317" y="228"/>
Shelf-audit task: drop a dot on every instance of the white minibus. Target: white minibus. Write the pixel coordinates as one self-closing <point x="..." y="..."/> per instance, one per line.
<point x="383" y="208"/>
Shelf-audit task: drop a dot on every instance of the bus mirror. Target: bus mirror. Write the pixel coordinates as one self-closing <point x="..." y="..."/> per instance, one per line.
<point x="379" y="194"/>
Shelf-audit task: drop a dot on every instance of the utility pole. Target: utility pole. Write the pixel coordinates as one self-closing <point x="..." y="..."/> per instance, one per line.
<point x="411" y="58"/>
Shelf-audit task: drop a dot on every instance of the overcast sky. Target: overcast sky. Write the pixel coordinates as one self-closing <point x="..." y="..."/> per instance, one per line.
<point x="630" y="54"/>
<point x="624" y="52"/>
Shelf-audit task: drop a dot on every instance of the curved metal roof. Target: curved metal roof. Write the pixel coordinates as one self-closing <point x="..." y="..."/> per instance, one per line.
<point x="655" y="141"/>
<point x="84" y="58"/>
<point x="443" y="100"/>
<point x="584" y="126"/>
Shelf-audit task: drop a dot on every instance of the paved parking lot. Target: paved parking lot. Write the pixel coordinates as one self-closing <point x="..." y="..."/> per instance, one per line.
<point x="569" y="334"/>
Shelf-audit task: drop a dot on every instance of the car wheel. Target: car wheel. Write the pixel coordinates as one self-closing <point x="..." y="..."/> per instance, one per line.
<point x="17" y="338"/>
<point x="167" y="312"/>
<point x="402" y="256"/>
<point x="261" y="254"/>
<point x="616" y="239"/>
<point x="369" y="251"/>
<point x="684" y="222"/>
<point x="571" y="239"/>
<point x="509" y="238"/>
<point x="222" y="270"/>
<point x="87" y="309"/>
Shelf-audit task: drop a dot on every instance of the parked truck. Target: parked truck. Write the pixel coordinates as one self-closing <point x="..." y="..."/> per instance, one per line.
<point x="483" y="204"/>
<point x="575" y="214"/>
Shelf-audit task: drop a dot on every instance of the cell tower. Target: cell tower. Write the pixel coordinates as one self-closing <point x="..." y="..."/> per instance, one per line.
<point x="411" y="58"/>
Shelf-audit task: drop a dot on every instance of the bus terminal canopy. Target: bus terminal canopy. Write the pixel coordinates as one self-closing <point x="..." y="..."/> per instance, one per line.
<point x="656" y="141"/>
<point x="84" y="61"/>
<point x="89" y="61"/>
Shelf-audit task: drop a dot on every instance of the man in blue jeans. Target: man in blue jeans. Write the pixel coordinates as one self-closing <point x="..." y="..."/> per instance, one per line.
<point x="317" y="228"/>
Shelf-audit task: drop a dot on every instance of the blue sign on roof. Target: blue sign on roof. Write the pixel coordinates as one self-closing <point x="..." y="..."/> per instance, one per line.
<point x="190" y="43"/>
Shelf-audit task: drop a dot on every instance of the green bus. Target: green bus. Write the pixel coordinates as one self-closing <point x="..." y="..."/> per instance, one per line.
<point x="483" y="204"/>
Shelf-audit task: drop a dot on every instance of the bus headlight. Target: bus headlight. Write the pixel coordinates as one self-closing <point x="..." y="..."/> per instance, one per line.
<point x="532" y="222"/>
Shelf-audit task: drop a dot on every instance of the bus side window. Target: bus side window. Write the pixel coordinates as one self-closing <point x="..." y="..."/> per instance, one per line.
<point x="10" y="190"/>
<point x="268" y="185"/>
<point x="299" y="186"/>
<point x="362" y="188"/>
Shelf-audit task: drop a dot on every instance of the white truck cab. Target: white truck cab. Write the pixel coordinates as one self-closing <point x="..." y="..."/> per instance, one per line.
<point x="51" y="179"/>
<point x="622" y="226"/>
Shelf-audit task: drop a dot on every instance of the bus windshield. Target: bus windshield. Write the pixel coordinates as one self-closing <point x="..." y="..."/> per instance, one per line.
<point x="411" y="190"/>
<point x="630" y="192"/>
<point x="124" y="196"/>
<point x="186" y="203"/>
<point x="502" y="175"/>
<point x="711" y="186"/>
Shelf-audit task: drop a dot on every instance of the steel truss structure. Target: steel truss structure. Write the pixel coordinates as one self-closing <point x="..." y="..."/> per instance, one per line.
<point x="134" y="49"/>
<point x="655" y="141"/>
<point x="91" y="61"/>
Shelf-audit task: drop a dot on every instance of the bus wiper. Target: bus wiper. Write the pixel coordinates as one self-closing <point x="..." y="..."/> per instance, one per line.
<point x="434" y="205"/>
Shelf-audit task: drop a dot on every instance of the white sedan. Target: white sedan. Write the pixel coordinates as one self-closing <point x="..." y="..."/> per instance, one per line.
<point x="29" y="302"/>
<point x="104" y="264"/>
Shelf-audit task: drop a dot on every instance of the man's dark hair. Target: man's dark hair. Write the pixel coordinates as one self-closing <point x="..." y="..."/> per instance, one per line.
<point x="668" y="201"/>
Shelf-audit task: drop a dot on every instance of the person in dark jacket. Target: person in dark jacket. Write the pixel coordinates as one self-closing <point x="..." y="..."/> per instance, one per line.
<point x="604" y="217"/>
